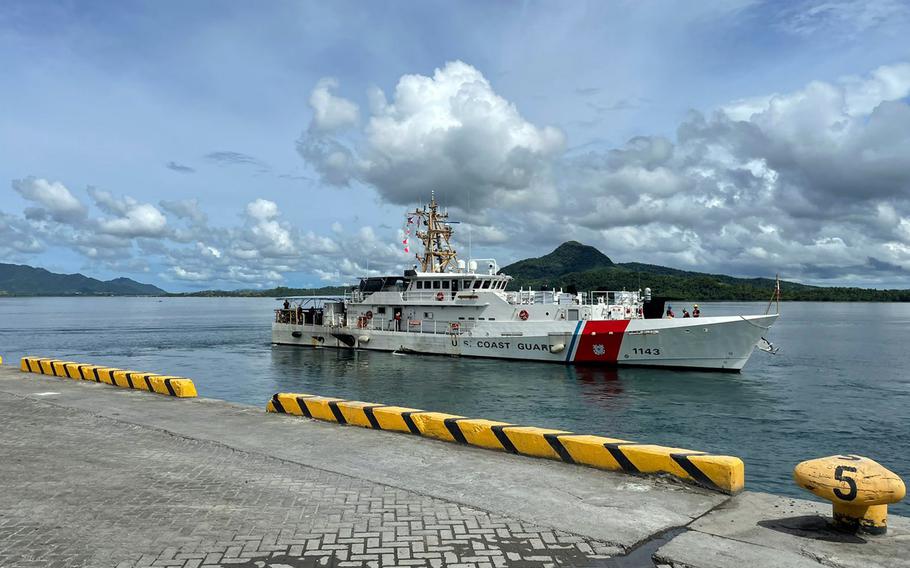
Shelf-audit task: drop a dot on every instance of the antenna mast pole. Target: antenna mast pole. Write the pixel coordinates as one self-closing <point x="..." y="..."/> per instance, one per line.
<point x="437" y="250"/>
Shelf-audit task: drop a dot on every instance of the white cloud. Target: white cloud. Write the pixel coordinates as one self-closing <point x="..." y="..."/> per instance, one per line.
<point x="54" y="197"/>
<point x="815" y="183"/>
<point x="331" y="113"/>
<point x="266" y="233"/>
<point x="185" y="209"/>
<point x="450" y="132"/>
<point x="138" y="220"/>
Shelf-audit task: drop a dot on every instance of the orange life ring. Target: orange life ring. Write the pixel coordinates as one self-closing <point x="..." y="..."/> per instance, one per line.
<point x="523" y="315"/>
<point x="440" y="296"/>
<point x="369" y="314"/>
<point x="455" y="326"/>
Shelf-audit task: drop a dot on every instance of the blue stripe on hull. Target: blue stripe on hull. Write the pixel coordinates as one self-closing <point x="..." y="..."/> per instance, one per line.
<point x="572" y="344"/>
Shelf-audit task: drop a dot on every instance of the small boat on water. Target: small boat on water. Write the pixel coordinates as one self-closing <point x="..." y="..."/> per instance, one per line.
<point x="447" y="306"/>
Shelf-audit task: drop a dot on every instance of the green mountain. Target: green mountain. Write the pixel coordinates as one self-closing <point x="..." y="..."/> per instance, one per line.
<point x="279" y="292"/>
<point x="574" y="266"/>
<point x="22" y="280"/>
<point x="570" y="256"/>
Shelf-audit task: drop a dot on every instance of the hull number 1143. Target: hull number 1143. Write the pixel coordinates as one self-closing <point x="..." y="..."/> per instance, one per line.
<point x="646" y="350"/>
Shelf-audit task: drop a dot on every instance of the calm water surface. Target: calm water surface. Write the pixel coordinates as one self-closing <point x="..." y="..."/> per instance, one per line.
<point x="840" y="383"/>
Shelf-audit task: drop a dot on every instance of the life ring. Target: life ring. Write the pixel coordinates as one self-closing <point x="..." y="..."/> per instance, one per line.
<point x="440" y="296"/>
<point x="369" y="314"/>
<point x="455" y="326"/>
<point x="523" y="315"/>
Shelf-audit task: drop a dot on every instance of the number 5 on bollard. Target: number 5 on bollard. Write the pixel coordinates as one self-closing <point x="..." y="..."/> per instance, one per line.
<point x="859" y="488"/>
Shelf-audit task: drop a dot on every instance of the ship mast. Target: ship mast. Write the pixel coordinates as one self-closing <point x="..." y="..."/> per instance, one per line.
<point x="438" y="253"/>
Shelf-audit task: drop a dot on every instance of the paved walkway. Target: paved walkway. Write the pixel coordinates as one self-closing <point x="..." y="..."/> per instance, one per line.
<point x="82" y="490"/>
<point x="92" y="475"/>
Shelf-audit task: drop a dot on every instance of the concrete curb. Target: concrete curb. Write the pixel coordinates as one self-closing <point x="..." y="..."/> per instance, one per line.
<point x="725" y="474"/>
<point x="172" y="386"/>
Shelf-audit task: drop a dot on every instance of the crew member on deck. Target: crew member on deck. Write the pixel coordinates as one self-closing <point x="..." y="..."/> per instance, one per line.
<point x="670" y="313"/>
<point x="397" y="321"/>
<point x="686" y="313"/>
<point x="695" y="311"/>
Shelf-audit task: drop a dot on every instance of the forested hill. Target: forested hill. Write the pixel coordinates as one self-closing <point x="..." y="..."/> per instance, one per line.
<point x="574" y="266"/>
<point x="279" y="292"/>
<point x="23" y="280"/>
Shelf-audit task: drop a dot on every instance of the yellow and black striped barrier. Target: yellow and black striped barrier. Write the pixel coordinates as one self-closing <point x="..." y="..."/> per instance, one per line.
<point x="152" y="382"/>
<point x="719" y="473"/>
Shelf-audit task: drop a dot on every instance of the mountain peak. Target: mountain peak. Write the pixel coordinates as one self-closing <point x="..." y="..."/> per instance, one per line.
<point x="570" y="256"/>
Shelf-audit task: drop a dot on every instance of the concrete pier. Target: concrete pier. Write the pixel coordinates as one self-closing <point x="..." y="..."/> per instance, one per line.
<point x="93" y="475"/>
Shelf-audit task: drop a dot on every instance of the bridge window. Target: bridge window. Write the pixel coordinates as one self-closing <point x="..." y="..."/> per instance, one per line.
<point x="435" y="284"/>
<point x="486" y="284"/>
<point x="445" y="284"/>
<point x="476" y="284"/>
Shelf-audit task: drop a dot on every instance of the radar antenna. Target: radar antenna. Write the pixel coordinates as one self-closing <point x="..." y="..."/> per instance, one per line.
<point x="438" y="253"/>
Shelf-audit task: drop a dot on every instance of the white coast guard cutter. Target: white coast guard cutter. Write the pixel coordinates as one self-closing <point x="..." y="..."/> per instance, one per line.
<point x="446" y="306"/>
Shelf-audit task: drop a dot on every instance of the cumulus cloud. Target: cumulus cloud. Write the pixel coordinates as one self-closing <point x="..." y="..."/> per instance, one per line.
<point x="185" y="209"/>
<point x="451" y="133"/>
<point x="805" y="182"/>
<point x="141" y="220"/>
<point x="130" y="218"/>
<point x="329" y="111"/>
<point x="814" y="183"/>
<point x="54" y="199"/>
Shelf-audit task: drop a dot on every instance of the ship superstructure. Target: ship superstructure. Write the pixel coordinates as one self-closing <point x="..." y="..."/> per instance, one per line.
<point x="448" y="306"/>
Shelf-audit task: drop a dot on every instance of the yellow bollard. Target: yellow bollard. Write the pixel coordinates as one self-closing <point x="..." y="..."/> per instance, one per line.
<point x="860" y="489"/>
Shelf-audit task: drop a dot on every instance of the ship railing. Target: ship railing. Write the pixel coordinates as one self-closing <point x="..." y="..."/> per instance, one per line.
<point x="428" y="326"/>
<point x="532" y="297"/>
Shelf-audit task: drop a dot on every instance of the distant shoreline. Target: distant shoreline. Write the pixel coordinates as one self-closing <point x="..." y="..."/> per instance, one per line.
<point x="245" y="294"/>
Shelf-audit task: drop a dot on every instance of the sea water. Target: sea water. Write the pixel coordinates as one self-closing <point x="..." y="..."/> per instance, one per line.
<point x="839" y="384"/>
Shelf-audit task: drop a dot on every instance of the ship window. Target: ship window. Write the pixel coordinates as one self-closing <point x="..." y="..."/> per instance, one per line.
<point x="380" y="310"/>
<point x="461" y="317"/>
<point x="486" y="284"/>
<point x="427" y="315"/>
<point x="419" y="285"/>
<point x="480" y="318"/>
<point x="476" y="284"/>
<point x="466" y="285"/>
<point x="491" y="319"/>
<point x="445" y="284"/>
<point x="573" y="315"/>
<point x="471" y="319"/>
<point x="435" y="284"/>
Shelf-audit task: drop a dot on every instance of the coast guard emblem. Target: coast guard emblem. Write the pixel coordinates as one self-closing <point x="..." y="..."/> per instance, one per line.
<point x="599" y="349"/>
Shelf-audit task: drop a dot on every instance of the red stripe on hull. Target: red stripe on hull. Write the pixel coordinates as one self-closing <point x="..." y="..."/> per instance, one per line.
<point x="599" y="341"/>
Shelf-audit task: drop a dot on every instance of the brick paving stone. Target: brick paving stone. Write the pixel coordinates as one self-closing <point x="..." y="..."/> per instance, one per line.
<point x="79" y="490"/>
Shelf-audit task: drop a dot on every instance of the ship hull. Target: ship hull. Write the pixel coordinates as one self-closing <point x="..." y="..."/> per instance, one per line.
<point x="710" y="343"/>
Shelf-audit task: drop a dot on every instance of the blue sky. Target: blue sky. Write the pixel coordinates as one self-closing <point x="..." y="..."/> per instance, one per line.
<point x="232" y="145"/>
